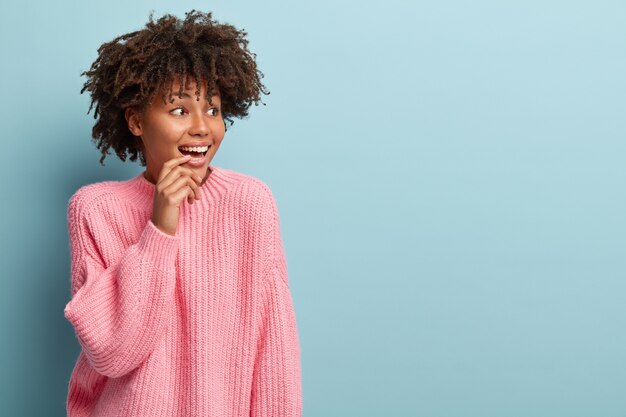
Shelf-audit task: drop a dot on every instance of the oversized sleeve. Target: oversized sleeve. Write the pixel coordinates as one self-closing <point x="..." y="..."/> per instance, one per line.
<point x="277" y="389"/>
<point x="119" y="311"/>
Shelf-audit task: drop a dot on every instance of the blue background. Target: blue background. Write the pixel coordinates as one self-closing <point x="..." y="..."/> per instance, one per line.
<point x="450" y="178"/>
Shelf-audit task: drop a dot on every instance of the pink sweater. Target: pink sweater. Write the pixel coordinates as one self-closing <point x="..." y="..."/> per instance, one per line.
<point x="197" y="324"/>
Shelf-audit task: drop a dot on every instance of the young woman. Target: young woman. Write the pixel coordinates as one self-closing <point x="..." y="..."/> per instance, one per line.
<point x="179" y="286"/>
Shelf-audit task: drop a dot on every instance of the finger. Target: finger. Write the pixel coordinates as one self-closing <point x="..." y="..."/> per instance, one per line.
<point x="181" y="194"/>
<point x="195" y="188"/>
<point x="194" y="191"/>
<point x="173" y="168"/>
<point x="182" y="182"/>
<point x="176" y="173"/>
<point x="190" y="194"/>
<point x="180" y="171"/>
<point x="169" y="165"/>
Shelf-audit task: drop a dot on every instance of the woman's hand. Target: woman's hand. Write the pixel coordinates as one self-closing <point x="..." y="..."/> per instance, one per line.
<point x="175" y="183"/>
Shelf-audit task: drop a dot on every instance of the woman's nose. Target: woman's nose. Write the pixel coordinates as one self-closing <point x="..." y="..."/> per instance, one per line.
<point x="199" y="125"/>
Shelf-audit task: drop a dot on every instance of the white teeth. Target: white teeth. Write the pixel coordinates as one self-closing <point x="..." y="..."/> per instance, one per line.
<point x="195" y="148"/>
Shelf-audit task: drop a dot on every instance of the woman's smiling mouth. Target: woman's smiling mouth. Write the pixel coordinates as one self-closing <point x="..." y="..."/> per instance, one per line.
<point x="194" y="151"/>
<point x="197" y="152"/>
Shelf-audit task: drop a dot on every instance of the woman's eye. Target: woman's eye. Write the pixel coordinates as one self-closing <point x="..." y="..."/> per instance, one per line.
<point x="178" y="111"/>
<point x="216" y="111"/>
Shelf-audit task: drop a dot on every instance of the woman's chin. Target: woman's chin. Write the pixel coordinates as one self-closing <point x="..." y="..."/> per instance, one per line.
<point x="200" y="166"/>
<point x="202" y="171"/>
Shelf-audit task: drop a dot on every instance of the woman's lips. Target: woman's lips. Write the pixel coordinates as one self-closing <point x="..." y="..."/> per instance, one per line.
<point x="196" y="162"/>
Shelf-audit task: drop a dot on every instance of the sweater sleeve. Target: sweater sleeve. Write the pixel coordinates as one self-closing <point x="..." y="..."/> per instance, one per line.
<point x="276" y="385"/>
<point x="118" y="312"/>
<point x="276" y="389"/>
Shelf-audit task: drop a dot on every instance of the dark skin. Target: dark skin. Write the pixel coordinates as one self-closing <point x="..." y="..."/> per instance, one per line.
<point x="162" y="129"/>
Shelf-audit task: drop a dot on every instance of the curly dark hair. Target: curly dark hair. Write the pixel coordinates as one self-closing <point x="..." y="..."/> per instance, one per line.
<point x="131" y="68"/>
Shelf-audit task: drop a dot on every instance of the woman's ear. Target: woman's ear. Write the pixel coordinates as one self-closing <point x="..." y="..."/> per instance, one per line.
<point x="134" y="121"/>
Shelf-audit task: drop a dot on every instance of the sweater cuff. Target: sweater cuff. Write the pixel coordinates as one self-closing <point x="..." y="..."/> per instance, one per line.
<point x="160" y="248"/>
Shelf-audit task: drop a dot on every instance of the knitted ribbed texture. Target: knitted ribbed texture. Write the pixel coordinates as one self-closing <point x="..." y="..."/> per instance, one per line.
<point x="197" y="324"/>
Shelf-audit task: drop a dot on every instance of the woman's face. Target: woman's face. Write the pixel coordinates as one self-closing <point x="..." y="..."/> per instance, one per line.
<point x="165" y="128"/>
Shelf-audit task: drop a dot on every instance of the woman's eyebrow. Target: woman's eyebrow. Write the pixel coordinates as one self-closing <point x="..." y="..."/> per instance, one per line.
<point x="185" y="95"/>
